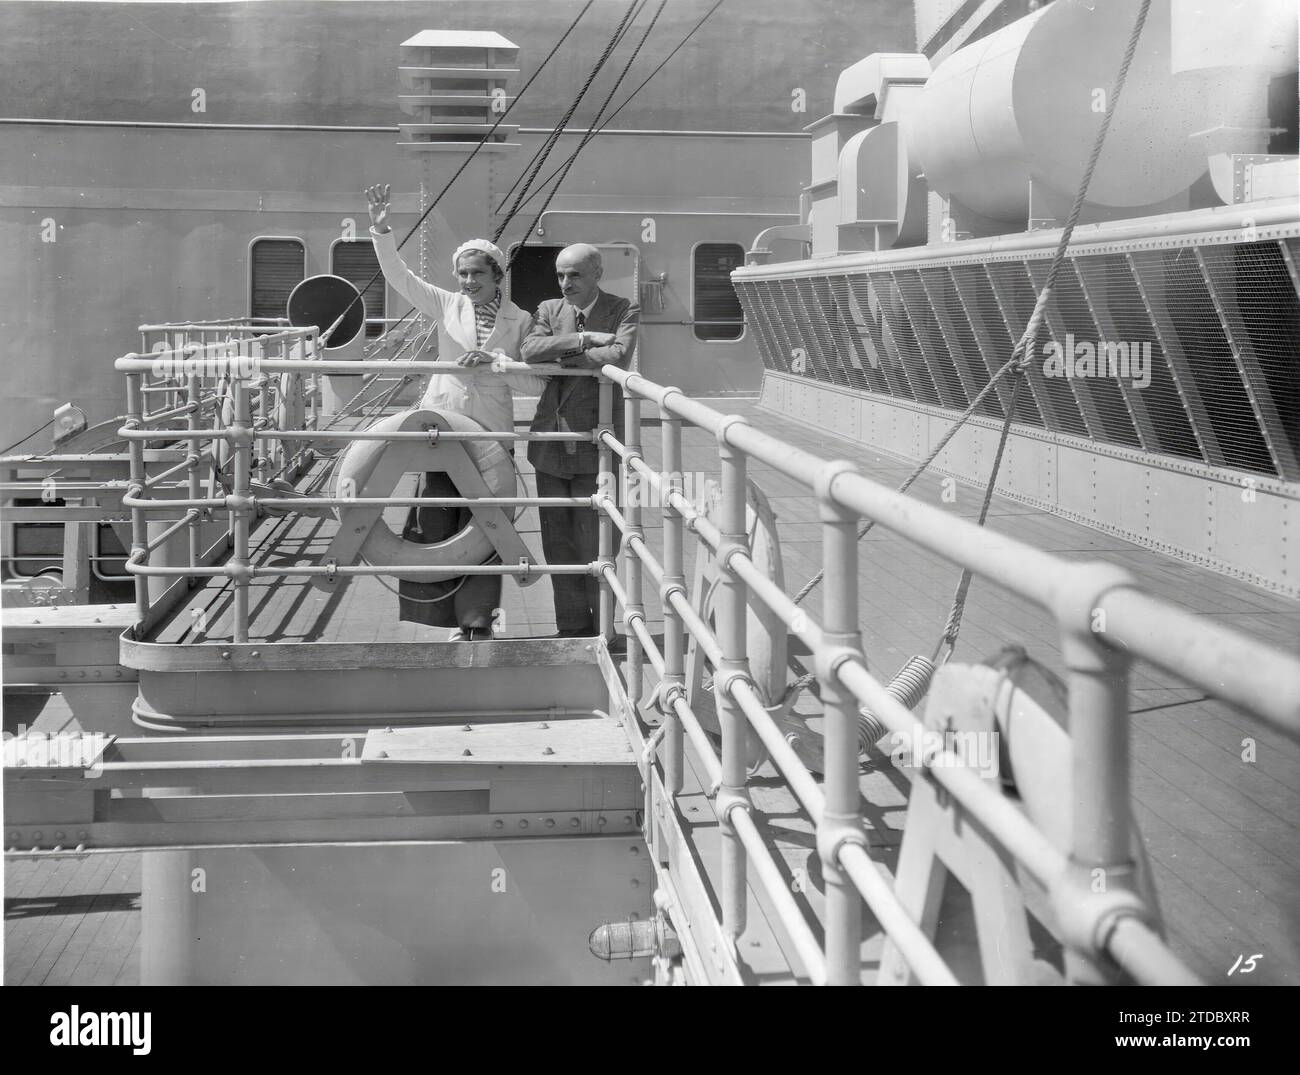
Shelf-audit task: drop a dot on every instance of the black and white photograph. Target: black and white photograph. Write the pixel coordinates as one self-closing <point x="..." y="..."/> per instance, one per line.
<point x="651" y="493"/>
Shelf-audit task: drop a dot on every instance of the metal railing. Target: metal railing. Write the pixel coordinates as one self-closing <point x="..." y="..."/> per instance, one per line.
<point x="1103" y="933"/>
<point x="239" y="437"/>
<point x="181" y="392"/>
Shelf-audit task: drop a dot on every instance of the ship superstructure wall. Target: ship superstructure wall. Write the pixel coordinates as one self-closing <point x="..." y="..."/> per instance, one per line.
<point x="1169" y="355"/>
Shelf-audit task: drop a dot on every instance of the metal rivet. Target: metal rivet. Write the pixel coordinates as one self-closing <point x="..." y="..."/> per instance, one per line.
<point x="548" y="750"/>
<point x="225" y="654"/>
<point x="58" y="836"/>
<point x="600" y="821"/>
<point x="467" y="728"/>
<point x="523" y="823"/>
<point x="498" y="824"/>
<point x="255" y="653"/>
<point x="543" y="725"/>
<point x="636" y="883"/>
<point x="550" y="822"/>
<point x="574" y="822"/>
<point x="36" y="836"/>
<point x="635" y="850"/>
<point x="389" y="731"/>
<point x="467" y="753"/>
<point x="627" y="821"/>
<point x="382" y="754"/>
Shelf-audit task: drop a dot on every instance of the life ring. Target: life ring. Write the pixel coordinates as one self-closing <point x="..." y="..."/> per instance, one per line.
<point x="355" y="471"/>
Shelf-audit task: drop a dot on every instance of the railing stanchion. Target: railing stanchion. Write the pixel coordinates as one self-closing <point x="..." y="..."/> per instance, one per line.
<point x="264" y="418"/>
<point x="195" y="448"/>
<point x="633" y="498"/>
<point x="139" y="520"/>
<point x="607" y="482"/>
<point x="242" y="448"/>
<point x="674" y="679"/>
<point x="731" y="616"/>
<point x="841" y="818"/>
<point x="1100" y="886"/>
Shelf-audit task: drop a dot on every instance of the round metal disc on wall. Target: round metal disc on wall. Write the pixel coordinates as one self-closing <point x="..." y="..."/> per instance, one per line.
<point x="320" y="300"/>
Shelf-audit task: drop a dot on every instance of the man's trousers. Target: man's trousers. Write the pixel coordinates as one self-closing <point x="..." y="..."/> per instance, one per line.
<point x="571" y="536"/>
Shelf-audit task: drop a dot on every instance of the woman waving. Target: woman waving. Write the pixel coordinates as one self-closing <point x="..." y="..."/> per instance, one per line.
<point x="477" y="327"/>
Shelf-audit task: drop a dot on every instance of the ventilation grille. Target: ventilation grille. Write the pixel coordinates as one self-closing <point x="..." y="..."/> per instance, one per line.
<point x="1191" y="352"/>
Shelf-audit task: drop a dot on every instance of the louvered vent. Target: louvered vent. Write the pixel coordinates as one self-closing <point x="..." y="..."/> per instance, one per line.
<point x="1190" y="351"/>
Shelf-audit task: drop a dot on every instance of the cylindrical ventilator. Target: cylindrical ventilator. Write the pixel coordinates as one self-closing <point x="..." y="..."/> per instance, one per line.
<point x="908" y="686"/>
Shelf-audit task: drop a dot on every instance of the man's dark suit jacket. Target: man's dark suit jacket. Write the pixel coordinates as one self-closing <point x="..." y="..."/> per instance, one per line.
<point x="554" y="335"/>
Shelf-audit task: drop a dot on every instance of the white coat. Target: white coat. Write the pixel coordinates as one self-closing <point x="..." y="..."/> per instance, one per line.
<point x="484" y="395"/>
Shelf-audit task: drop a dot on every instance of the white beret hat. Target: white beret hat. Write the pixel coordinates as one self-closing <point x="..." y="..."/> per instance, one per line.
<point x="482" y="246"/>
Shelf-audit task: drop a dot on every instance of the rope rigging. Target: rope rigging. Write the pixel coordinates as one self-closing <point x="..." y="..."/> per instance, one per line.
<point x="628" y="99"/>
<point x="555" y="134"/>
<point x="548" y="141"/>
<point x="568" y="164"/>
<point x="912" y="681"/>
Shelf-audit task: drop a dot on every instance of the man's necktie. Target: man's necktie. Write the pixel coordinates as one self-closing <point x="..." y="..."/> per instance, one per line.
<point x="570" y="448"/>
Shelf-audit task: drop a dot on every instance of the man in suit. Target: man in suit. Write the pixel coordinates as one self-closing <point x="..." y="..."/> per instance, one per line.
<point x="585" y="329"/>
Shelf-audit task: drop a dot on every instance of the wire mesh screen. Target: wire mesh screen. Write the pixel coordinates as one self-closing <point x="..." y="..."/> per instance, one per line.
<point x="1075" y="329"/>
<point x="1189" y="352"/>
<point x="1255" y="292"/>
<point x="1191" y="331"/>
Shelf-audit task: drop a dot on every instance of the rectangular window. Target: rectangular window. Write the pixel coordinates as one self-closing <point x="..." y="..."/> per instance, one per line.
<point x="717" y="311"/>
<point x="357" y="263"/>
<point x="276" y="267"/>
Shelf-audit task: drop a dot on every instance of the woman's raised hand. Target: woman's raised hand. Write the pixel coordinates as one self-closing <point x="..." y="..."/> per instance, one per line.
<point x="378" y="196"/>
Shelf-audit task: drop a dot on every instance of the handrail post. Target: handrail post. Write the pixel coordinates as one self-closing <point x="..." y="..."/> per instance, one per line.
<point x="139" y="521"/>
<point x="841" y="819"/>
<point x="731" y="625"/>
<point x="264" y="442"/>
<point x="192" y="391"/>
<point x="284" y="387"/>
<point x="606" y="482"/>
<point x="311" y="352"/>
<point x="633" y="486"/>
<point x="1100" y="883"/>
<point x="242" y="447"/>
<point x="674" y="678"/>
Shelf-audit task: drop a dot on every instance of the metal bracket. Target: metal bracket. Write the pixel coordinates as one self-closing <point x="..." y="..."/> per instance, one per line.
<point x="433" y="432"/>
<point x="331" y="569"/>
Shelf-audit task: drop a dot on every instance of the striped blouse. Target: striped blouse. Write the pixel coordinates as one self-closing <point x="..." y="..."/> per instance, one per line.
<point x="485" y="317"/>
